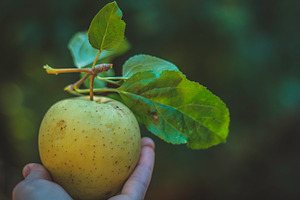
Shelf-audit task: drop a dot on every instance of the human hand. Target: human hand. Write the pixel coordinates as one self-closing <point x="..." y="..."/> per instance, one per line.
<point x="38" y="183"/>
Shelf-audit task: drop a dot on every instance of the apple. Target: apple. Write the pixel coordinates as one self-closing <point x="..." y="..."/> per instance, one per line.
<point x="89" y="147"/>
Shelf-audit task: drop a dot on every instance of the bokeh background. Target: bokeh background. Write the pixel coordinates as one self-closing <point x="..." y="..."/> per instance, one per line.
<point x="246" y="52"/>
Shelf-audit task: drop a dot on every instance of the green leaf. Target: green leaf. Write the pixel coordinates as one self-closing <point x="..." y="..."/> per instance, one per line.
<point x="84" y="54"/>
<point x="140" y="63"/>
<point x="175" y="109"/>
<point x="98" y="83"/>
<point x="107" y="29"/>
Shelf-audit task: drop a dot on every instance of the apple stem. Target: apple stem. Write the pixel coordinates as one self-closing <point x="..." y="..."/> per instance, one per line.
<point x="92" y="77"/>
<point x="96" y="70"/>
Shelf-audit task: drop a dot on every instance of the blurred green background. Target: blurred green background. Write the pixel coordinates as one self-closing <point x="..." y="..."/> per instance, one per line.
<point x="246" y="52"/>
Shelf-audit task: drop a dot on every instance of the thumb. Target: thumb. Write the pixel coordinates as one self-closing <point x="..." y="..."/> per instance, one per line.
<point x="36" y="171"/>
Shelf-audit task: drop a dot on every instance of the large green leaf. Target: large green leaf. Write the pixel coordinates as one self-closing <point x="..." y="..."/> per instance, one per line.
<point x="107" y="30"/>
<point x="175" y="109"/>
<point x="84" y="54"/>
<point x="140" y="63"/>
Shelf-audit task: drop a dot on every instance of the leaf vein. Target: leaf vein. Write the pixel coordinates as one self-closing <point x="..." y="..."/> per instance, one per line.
<point x="107" y="24"/>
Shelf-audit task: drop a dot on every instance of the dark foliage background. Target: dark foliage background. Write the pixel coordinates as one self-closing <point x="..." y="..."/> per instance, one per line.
<point x="246" y="52"/>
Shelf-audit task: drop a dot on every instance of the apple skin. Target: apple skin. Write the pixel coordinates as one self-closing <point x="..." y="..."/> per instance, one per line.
<point x="89" y="147"/>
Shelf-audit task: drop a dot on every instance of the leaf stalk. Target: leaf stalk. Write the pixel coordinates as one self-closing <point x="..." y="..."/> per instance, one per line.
<point x="97" y="90"/>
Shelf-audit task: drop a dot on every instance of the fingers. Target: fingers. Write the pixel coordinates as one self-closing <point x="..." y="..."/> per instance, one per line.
<point x="148" y="142"/>
<point x="38" y="185"/>
<point x="146" y="160"/>
<point x="36" y="171"/>
<point x="138" y="182"/>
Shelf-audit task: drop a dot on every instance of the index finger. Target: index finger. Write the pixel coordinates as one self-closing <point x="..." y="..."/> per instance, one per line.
<point x="137" y="184"/>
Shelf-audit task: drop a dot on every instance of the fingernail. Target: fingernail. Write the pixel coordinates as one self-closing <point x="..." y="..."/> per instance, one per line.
<point x="26" y="171"/>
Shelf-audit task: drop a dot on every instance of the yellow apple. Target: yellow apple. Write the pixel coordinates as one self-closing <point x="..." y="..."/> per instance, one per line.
<point x="89" y="147"/>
